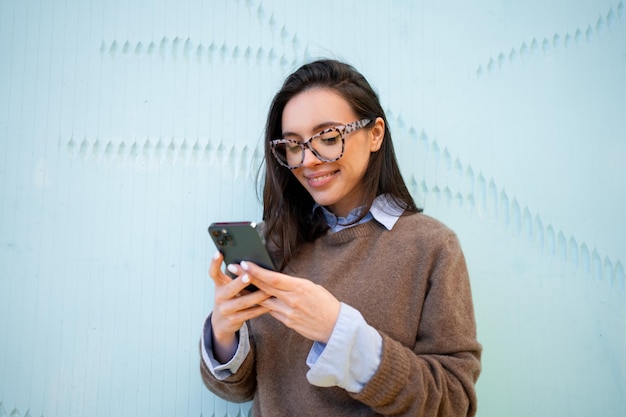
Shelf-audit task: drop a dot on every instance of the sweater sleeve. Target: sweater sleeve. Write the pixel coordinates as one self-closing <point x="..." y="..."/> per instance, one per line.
<point x="235" y="381"/>
<point x="436" y="376"/>
<point x="351" y="356"/>
<point x="219" y="370"/>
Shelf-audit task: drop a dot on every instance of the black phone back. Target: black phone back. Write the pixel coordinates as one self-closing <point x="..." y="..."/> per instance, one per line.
<point x="240" y="241"/>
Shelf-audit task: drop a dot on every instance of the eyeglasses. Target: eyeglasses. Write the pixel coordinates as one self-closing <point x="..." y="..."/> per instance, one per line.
<point x="327" y="145"/>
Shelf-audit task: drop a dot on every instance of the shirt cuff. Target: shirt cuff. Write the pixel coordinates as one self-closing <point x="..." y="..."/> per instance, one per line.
<point x="350" y="358"/>
<point x="221" y="371"/>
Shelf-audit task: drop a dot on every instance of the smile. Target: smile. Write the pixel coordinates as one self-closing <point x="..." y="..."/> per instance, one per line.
<point x="321" y="179"/>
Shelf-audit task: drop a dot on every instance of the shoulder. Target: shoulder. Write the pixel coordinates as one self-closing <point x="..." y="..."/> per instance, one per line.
<point x="423" y="225"/>
<point x="426" y="233"/>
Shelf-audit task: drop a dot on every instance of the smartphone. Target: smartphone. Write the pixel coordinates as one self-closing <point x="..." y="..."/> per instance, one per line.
<point x="241" y="241"/>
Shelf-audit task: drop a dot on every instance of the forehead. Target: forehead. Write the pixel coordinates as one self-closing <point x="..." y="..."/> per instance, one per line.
<point x="310" y="109"/>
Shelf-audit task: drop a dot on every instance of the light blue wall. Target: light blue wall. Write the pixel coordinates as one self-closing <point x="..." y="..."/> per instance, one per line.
<point x="127" y="127"/>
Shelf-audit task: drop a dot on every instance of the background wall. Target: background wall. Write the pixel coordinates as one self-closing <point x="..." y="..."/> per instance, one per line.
<point x="127" y="127"/>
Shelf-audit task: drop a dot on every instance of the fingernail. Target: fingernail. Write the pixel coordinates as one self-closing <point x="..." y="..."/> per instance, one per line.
<point x="245" y="279"/>
<point x="232" y="268"/>
<point x="244" y="265"/>
<point x="216" y="255"/>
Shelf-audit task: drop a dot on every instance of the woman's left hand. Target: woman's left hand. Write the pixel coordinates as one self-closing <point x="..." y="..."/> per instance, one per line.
<point x="298" y="303"/>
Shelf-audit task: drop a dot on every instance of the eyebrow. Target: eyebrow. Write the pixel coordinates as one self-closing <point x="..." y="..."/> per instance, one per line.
<point x="318" y="127"/>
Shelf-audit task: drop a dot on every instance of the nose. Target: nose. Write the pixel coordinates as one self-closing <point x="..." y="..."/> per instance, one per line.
<point x="310" y="159"/>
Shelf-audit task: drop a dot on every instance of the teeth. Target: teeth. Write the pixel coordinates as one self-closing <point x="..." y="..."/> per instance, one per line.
<point x="323" y="177"/>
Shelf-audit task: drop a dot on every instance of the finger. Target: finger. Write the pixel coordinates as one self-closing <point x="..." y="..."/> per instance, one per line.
<point x="273" y="304"/>
<point x="236" y="273"/>
<point x="215" y="270"/>
<point x="244" y="305"/>
<point x="272" y="279"/>
<point x="235" y="269"/>
<point x="257" y="298"/>
<point x="268" y="289"/>
<point x="251" y="313"/>
<point x="227" y="320"/>
<point x="236" y="287"/>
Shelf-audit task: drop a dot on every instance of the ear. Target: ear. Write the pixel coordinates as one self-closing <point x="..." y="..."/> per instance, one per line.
<point x="377" y="133"/>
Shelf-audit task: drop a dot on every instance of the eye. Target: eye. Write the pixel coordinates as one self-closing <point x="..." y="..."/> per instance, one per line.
<point x="293" y="147"/>
<point x="329" y="138"/>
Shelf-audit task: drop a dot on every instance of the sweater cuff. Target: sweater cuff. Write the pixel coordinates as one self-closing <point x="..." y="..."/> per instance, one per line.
<point x="389" y="380"/>
<point x="351" y="356"/>
<point x="221" y="371"/>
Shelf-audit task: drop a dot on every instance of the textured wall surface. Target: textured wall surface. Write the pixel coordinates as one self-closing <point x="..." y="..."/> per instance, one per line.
<point x="127" y="127"/>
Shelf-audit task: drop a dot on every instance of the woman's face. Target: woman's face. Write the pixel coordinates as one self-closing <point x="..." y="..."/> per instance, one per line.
<point x="336" y="185"/>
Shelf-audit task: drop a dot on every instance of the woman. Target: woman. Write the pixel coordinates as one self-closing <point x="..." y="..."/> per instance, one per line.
<point x="371" y="313"/>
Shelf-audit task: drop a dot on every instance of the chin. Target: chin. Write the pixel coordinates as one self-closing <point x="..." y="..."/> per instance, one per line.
<point x="324" y="201"/>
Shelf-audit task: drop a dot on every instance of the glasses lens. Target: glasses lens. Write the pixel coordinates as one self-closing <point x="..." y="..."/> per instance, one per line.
<point x="288" y="153"/>
<point x="328" y="145"/>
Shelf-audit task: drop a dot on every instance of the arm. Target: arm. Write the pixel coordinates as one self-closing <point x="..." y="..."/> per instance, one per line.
<point x="227" y="356"/>
<point x="352" y="354"/>
<point x="435" y="377"/>
<point x="430" y="373"/>
<point x="238" y="387"/>
<point x="222" y="369"/>
<point x="226" y="380"/>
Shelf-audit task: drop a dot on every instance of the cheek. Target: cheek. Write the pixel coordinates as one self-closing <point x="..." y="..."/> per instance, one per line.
<point x="297" y="174"/>
<point x="359" y="160"/>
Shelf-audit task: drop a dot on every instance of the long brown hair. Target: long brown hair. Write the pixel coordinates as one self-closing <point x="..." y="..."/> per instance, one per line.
<point x="287" y="206"/>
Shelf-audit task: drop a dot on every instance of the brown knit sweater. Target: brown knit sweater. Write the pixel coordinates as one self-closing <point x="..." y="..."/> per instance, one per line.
<point x="411" y="284"/>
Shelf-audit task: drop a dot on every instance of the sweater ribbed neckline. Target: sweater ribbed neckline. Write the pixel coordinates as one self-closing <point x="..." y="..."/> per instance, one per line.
<point x="351" y="233"/>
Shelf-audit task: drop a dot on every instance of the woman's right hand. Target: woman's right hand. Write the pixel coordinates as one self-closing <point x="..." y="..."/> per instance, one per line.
<point x="232" y="307"/>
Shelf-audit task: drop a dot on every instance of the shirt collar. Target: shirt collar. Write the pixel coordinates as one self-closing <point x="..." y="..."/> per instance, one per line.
<point x="383" y="211"/>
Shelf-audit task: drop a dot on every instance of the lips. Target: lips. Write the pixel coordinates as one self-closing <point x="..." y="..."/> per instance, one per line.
<point x="317" y="180"/>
